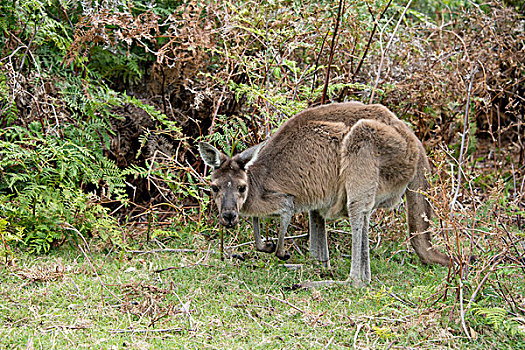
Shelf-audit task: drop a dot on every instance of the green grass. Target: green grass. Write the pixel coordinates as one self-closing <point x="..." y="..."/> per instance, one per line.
<point x="119" y="301"/>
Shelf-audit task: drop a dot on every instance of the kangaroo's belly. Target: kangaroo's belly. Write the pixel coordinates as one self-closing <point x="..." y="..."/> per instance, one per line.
<point x="330" y="206"/>
<point x="336" y="207"/>
<point x="392" y="197"/>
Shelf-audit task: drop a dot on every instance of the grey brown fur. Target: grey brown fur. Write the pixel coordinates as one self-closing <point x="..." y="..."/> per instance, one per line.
<point x="338" y="160"/>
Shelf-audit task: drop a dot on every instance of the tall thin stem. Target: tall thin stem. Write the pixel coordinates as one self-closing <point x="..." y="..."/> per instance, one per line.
<point x="332" y="49"/>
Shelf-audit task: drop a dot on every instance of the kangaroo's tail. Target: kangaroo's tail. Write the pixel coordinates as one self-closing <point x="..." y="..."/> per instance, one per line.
<point x="419" y="213"/>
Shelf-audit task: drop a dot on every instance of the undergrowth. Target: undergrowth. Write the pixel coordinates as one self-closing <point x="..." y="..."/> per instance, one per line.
<point x="49" y="180"/>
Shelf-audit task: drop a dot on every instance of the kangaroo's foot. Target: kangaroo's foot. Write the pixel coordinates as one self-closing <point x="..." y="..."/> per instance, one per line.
<point x="358" y="279"/>
<point x="268" y="247"/>
<point x="326" y="264"/>
<point x="323" y="264"/>
<point x="357" y="282"/>
<point x="433" y="256"/>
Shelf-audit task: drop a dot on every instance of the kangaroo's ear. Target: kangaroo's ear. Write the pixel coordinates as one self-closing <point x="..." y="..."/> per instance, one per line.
<point x="248" y="157"/>
<point x="211" y="155"/>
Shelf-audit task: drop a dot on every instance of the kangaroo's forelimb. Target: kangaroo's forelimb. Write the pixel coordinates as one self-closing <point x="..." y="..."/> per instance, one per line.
<point x="267" y="247"/>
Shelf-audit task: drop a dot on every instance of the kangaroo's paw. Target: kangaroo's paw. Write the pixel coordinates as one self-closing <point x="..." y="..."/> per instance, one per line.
<point x="268" y="247"/>
<point x="283" y="256"/>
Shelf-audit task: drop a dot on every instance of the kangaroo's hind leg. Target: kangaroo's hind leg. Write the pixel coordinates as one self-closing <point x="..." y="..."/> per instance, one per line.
<point x="360" y="202"/>
<point x="365" y="250"/>
<point x="318" y="238"/>
<point x="361" y="175"/>
<point x="360" y="268"/>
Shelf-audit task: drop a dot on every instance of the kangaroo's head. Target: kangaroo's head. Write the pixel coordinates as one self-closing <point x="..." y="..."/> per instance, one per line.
<point x="229" y="180"/>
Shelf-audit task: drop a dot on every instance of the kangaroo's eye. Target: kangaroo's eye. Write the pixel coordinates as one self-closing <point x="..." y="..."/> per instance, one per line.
<point x="242" y="189"/>
<point x="214" y="189"/>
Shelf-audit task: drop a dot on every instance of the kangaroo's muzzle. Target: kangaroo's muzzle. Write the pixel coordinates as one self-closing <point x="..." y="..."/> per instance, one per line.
<point x="229" y="218"/>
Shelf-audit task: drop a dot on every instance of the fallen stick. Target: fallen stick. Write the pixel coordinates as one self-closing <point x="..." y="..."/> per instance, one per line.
<point x="181" y="267"/>
<point x="165" y="250"/>
<point x="146" y="330"/>
<point x="288" y="303"/>
<point x="316" y="284"/>
<point x="269" y="239"/>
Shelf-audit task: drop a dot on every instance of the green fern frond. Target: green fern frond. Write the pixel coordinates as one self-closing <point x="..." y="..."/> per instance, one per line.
<point x="501" y="319"/>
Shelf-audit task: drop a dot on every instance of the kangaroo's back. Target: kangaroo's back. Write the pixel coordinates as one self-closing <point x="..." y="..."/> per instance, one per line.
<point x="304" y="157"/>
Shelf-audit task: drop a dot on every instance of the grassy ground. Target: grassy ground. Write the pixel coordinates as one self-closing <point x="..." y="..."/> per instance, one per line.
<point x="193" y="300"/>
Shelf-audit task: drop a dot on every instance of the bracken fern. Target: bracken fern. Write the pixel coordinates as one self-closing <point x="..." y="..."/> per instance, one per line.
<point x="50" y="180"/>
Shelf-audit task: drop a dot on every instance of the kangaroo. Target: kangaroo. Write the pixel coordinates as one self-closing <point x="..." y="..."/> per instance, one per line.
<point x="337" y="160"/>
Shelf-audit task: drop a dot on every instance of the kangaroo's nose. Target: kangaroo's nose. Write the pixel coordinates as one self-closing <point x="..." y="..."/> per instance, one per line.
<point x="229" y="218"/>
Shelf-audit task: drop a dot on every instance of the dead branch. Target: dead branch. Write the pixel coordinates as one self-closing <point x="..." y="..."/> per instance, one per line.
<point x="332" y="49"/>
<point x="464" y="141"/>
